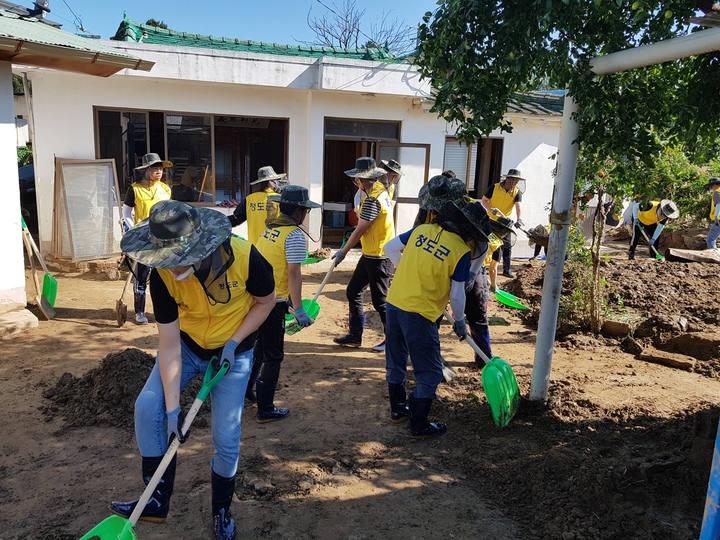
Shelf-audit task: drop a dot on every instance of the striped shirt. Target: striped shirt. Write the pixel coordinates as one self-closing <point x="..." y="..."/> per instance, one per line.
<point x="295" y="247"/>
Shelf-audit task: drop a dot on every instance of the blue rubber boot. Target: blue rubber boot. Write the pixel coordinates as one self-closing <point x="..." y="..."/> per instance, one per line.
<point x="399" y="411"/>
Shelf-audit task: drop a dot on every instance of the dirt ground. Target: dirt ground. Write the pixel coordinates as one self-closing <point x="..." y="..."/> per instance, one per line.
<point x="622" y="451"/>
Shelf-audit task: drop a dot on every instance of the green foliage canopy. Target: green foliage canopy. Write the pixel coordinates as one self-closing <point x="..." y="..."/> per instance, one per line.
<point x="480" y="53"/>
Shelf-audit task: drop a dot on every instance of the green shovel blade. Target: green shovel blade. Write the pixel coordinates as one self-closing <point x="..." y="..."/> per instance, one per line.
<point x="509" y="300"/>
<point x="311" y="307"/>
<point x="501" y="389"/>
<point x="112" y="528"/>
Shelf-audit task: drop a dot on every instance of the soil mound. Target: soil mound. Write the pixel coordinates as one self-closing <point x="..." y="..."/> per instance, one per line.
<point x="105" y="396"/>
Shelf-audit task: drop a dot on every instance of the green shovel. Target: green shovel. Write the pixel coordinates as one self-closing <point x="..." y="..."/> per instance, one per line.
<point x="499" y="382"/>
<point x="509" y="300"/>
<point x="311" y="307"/>
<point x="120" y="528"/>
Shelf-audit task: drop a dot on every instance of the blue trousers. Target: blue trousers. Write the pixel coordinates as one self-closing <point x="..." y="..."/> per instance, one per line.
<point x="228" y="399"/>
<point x="411" y="334"/>
<point x="713" y="235"/>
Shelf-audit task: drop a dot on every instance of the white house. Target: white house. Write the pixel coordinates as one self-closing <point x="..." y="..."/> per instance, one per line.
<point x="221" y="108"/>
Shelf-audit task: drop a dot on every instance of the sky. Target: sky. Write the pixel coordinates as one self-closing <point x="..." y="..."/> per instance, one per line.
<point x="273" y="21"/>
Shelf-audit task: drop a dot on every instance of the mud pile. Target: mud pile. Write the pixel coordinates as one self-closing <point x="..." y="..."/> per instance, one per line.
<point x="105" y="396"/>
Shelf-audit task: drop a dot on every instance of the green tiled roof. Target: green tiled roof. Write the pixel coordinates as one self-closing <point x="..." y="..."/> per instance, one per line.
<point x="549" y="103"/>
<point x="142" y="33"/>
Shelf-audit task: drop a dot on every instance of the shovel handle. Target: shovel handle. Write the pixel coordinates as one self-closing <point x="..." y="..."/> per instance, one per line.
<point x="470" y="340"/>
<point x="325" y="280"/>
<point x="657" y="255"/>
<point x="209" y="381"/>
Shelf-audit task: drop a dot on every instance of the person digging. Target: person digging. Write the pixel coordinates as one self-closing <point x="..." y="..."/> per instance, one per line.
<point x="374" y="229"/>
<point x="650" y="219"/>
<point x="433" y="269"/>
<point x="200" y="318"/>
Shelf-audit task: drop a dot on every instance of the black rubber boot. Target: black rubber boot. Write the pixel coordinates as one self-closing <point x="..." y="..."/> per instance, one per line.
<point x="399" y="411"/>
<point x="140" y="317"/>
<point x="631" y="255"/>
<point x="267" y="411"/>
<point x="156" y="509"/>
<point x="507" y="257"/>
<point x="250" y="396"/>
<point x="222" y="493"/>
<point x="420" y="428"/>
<point x="355" y="332"/>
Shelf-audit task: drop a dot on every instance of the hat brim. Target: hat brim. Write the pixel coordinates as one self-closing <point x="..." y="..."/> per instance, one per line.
<point x="137" y="244"/>
<point x="517" y="177"/>
<point x="269" y="178"/>
<point x="674" y="214"/>
<point x="711" y="184"/>
<point x="365" y="174"/>
<point x="165" y="164"/>
<point x="304" y="204"/>
<point x="393" y="169"/>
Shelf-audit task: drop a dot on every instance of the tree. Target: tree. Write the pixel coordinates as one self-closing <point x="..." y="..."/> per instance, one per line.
<point x="158" y="24"/>
<point x="341" y="27"/>
<point x="480" y="54"/>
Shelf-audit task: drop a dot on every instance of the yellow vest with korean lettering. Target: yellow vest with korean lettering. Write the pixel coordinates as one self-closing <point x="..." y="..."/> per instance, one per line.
<point x="146" y="195"/>
<point x="649" y="217"/>
<point x="381" y="229"/>
<point x="211" y="326"/>
<point x="258" y="209"/>
<point x="271" y="245"/>
<point x="502" y="200"/>
<point x="422" y="279"/>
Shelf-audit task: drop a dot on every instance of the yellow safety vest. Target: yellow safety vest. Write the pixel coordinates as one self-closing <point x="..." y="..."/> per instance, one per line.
<point x="422" y="279"/>
<point x="211" y="326"/>
<point x="258" y="209"/>
<point x="271" y="245"/>
<point x="494" y="245"/>
<point x="146" y="195"/>
<point x="649" y="217"/>
<point x="712" y="207"/>
<point x="381" y="229"/>
<point x="502" y="200"/>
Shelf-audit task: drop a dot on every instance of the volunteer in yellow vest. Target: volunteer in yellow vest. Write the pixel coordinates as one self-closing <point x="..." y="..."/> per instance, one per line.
<point x="284" y="246"/>
<point x="650" y="218"/>
<point x="375" y="227"/>
<point x="211" y="292"/>
<point x="139" y="199"/>
<point x="255" y="208"/>
<point x="504" y="196"/>
<point x="433" y="269"/>
<point x="393" y="172"/>
<point x="714" y="186"/>
<point x="432" y="197"/>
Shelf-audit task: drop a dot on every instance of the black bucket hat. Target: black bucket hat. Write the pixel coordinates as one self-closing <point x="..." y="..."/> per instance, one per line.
<point x="365" y="167"/>
<point x="392" y="166"/>
<point x="296" y="196"/>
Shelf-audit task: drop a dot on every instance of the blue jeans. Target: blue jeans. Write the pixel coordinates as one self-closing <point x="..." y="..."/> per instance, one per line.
<point x="412" y="334"/>
<point x="228" y="399"/>
<point x="713" y="235"/>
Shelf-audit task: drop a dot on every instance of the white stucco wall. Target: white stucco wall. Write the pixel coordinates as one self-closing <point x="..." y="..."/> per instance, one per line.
<point x="303" y="90"/>
<point x="12" y="271"/>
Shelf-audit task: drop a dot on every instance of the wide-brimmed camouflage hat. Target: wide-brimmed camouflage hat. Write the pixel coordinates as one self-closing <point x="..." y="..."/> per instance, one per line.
<point x="669" y="209"/>
<point x="365" y="168"/>
<point x="502" y="226"/>
<point x="391" y="165"/>
<point x="471" y="220"/>
<point x="176" y="234"/>
<point x="296" y="196"/>
<point x="439" y="191"/>
<point x="148" y="160"/>
<point x="265" y="174"/>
